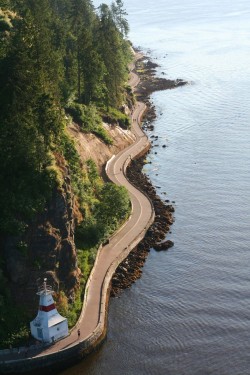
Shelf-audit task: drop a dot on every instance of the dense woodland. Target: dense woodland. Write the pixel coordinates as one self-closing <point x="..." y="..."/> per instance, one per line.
<point x="59" y="60"/>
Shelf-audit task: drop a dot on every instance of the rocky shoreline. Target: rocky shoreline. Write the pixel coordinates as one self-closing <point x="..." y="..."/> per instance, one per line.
<point x="149" y="83"/>
<point x="131" y="268"/>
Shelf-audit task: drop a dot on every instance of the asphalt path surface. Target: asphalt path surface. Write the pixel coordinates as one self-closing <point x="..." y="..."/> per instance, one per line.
<point x="130" y="232"/>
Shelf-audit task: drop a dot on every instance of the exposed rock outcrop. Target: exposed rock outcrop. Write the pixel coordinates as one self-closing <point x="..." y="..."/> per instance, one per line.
<point x="47" y="249"/>
<point x="91" y="147"/>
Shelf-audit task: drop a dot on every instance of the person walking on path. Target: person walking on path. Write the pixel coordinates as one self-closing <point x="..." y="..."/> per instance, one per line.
<point x="78" y="333"/>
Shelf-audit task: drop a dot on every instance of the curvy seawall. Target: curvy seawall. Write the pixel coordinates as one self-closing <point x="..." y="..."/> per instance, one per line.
<point x="93" y="320"/>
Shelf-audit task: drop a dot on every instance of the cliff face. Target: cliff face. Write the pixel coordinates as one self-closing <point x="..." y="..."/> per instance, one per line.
<point x="91" y="147"/>
<point x="48" y="249"/>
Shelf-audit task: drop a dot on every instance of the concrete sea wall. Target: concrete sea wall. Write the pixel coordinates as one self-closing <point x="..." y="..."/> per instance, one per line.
<point x="59" y="360"/>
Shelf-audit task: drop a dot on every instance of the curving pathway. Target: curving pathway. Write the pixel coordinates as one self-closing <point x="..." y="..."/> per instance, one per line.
<point x="92" y="322"/>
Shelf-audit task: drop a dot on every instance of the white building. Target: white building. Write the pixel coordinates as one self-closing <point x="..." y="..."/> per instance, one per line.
<point x="49" y="326"/>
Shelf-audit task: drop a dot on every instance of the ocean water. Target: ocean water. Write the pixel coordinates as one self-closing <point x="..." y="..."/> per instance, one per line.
<point x="189" y="313"/>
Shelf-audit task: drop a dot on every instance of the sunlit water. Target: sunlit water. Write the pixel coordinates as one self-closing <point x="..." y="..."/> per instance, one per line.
<point x="189" y="314"/>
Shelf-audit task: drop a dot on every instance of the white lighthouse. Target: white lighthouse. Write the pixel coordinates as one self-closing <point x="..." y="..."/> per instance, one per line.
<point x="49" y="326"/>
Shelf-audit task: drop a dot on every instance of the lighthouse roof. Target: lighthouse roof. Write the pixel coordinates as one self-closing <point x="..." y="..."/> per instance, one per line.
<point x="45" y="289"/>
<point x="55" y="319"/>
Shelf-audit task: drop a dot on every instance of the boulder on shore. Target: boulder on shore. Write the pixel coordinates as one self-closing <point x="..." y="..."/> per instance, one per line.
<point x="163" y="245"/>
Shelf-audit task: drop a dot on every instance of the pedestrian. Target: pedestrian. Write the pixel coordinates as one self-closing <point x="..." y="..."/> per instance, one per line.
<point x="79" y="333"/>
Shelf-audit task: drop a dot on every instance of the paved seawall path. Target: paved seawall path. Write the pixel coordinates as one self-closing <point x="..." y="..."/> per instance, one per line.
<point x="93" y="320"/>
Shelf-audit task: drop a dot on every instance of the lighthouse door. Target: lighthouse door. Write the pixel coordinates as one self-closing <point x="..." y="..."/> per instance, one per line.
<point x="40" y="333"/>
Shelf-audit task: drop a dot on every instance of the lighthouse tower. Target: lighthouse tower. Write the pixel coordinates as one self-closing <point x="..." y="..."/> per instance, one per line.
<point x="48" y="326"/>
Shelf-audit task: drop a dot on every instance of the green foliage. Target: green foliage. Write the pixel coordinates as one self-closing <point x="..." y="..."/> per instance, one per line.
<point x="67" y="148"/>
<point x="110" y="209"/>
<point x="17" y="336"/>
<point x="113" y="115"/>
<point x="119" y="17"/>
<point x="13" y="330"/>
<point x="89" y="120"/>
<point x="102" y="133"/>
<point x="23" y="248"/>
<point x="5" y="21"/>
<point x="114" y="51"/>
<point x="30" y="121"/>
<point x="113" y="209"/>
<point x="92" y="171"/>
<point x="86" y="116"/>
<point x="87" y="233"/>
<point x="71" y="311"/>
<point x="53" y="53"/>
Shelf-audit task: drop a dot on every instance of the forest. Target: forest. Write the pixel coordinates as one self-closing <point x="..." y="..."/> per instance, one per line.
<point x="60" y="61"/>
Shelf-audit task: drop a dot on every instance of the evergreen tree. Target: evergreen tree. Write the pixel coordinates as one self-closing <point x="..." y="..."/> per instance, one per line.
<point x="119" y="16"/>
<point x="114" y="51"/>
<point x="51" y="52"/>
<point x="56" y="55"/>
<point x="29" y="120"/>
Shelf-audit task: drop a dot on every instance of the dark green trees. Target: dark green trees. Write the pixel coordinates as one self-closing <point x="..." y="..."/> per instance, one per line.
<point x="115" y="53"/>
<point x="29" y="118"/>
<point x="119" y="17"/>
<point x="57" y="58"/>
<point x="52" y="53"/>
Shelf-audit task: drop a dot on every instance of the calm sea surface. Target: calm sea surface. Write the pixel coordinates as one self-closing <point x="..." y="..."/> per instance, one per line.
<point x="190" y="311"/>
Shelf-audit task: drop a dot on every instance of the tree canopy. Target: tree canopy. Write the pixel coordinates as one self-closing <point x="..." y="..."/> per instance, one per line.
<point x="58" y="58"/>
<point x="53" y="54"/>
